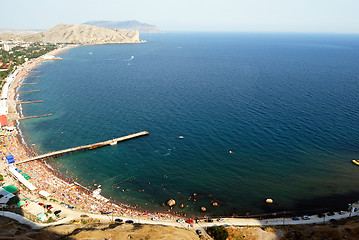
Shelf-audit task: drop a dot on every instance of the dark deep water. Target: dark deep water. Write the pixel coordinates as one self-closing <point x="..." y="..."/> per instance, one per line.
<point x="286" y="105"/>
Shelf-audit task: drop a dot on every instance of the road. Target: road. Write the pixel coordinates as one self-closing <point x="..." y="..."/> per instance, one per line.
<point x="69" y="215"/>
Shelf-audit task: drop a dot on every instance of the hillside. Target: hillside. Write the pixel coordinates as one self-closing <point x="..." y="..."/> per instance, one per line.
<point x="84" y="34"/>
<point x="92" y="229"/>
<point x="128" y="25"/>
<point x="14" y="35"/>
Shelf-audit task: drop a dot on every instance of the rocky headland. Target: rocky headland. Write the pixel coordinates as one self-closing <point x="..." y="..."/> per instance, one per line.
<point x="128" y="25"/>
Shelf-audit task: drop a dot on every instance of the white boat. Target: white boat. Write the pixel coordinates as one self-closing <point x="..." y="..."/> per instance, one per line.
<point x="180" y="137"/>
<point x="113" y="143"/>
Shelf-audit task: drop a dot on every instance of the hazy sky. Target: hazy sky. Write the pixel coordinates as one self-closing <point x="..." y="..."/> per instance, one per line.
<point x="190" y="15"/>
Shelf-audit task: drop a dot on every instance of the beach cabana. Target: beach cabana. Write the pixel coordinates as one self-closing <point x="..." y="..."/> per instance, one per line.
<point x="20" y="203"/>
<point x="44" y="193"/>
<point x="27" y="177"/>
<point x="3" y="120"/>
<point x="11" y="189"/>
<point x="42" y="216"/>
<point x="10" y="159"/>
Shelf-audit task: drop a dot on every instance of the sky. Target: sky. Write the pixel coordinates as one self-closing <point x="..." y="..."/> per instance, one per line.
<point x="319" y="16"/>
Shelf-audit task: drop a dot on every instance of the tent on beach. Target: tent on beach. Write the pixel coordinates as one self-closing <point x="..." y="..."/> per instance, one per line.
<point x="20" y="203"/>
<point x="3" y="120"/>
<point x="11" y="189"/>
<point x="42" y="216"/>
<point x="44" y="193"/>
<point x="10" y="159"/>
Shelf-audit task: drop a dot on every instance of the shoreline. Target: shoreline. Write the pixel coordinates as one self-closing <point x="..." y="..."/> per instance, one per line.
<point x="24" y="150"/>
<point x="42" y="165"/>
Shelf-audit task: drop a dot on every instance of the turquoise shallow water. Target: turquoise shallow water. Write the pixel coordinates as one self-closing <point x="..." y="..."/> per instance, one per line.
<point x="285" y="105"/>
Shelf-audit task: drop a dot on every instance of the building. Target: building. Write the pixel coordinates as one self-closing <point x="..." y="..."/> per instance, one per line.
<point x="3" y="121"/>
<point x="7" y="195"/>
<point x="8" y="47"/>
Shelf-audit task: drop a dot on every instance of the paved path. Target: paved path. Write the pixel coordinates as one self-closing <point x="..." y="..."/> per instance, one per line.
<point x="72" y="215"/>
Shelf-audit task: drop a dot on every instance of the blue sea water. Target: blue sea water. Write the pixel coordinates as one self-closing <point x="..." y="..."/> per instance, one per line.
<point x="286" y="105"/>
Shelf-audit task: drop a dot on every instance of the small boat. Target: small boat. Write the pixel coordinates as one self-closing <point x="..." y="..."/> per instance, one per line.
<point x="355" y="162"/>
<point x="180" y="137"/>
<point x="113" y="143"/>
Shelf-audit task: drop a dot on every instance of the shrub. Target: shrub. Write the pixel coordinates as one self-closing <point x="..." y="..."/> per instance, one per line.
<point x="220" y="233"/>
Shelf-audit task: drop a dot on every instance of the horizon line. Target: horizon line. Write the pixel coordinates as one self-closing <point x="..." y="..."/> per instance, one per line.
<point x="199" y="31"/>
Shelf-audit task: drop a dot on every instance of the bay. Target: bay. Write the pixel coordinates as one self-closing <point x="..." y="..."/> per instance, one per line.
<point x="285" y="105"/>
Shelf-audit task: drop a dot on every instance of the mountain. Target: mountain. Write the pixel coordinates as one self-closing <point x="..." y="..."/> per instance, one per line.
<point x="128" y="25"/>
<point x="14" y="35"/>
<point x="84" y="34"/>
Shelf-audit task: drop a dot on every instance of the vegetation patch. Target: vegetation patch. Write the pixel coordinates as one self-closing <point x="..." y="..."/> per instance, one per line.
<point x="218" y="233"/>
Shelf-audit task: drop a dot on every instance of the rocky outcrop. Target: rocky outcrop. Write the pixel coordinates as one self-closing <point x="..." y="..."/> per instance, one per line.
<point x="171" y="202"/>
<point x="84" y="34"/>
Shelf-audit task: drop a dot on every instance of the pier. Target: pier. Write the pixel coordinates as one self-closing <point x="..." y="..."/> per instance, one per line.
<point x="29" y="91"/>
<point x="33" y="77"/>
<point x="45" y="115"/>
<point x="85" y="147"/>
<point x="38" y="101"/>
<point x="23" y="84"/>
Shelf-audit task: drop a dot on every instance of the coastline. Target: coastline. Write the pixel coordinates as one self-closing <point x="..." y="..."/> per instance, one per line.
<point x="43" y="175"/>
<point x="19" y="143"/>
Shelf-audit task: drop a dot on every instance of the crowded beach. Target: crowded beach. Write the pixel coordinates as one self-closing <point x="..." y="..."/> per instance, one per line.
<point x="40" y="174"/>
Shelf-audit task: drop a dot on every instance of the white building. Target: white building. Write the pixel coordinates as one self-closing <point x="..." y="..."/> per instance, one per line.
<point x="8" y="47"/>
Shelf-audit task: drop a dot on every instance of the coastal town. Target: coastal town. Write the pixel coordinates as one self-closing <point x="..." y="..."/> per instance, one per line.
<point x="15" y="53"/>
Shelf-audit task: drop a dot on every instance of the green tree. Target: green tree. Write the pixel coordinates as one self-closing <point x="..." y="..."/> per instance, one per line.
<point x="220" y="233"/>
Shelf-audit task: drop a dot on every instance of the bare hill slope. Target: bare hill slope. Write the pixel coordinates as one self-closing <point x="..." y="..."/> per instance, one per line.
<point x="84" y="34"/>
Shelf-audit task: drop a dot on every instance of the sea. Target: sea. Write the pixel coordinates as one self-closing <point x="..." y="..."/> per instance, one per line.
<point x="261" y="115"/>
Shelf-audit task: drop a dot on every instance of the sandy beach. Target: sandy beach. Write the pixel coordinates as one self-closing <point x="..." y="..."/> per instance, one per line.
<point x="46" y="179"/>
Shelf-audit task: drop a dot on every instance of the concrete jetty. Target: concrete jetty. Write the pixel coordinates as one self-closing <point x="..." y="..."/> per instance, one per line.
<point x="23" y="84"/>
<point x="33" y="77"/>
<point x="85" y="147"/>
<point x="38" y="101"/>
<point x="45" y="115"/>
<point x="29" y="91"/>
